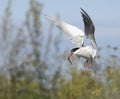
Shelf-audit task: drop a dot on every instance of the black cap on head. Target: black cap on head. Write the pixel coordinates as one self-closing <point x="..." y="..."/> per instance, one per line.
<point x="74" y="49"/>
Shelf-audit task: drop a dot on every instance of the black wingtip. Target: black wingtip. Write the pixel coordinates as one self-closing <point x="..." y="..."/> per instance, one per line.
<point x="82" y="9"/>
<point x="83" y="12"/>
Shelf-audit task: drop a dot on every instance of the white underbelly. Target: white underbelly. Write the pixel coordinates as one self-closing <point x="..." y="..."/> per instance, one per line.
<point x="86" y="52"/>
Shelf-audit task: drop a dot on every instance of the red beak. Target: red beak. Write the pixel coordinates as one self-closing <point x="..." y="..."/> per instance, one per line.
<point x="71" y="54"/>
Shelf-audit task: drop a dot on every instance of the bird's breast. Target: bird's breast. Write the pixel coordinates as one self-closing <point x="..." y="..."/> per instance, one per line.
<point x="86" y="52"/>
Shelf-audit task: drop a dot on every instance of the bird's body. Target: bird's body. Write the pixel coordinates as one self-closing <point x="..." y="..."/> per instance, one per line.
<point x="87" y="52"/>
<point x="77" y="36"/>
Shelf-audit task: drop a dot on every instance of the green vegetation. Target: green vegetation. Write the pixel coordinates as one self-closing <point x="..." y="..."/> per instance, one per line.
<point x="28" y="63"/>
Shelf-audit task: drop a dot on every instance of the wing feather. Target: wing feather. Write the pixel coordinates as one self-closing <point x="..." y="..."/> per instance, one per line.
<point x="75" y="34"/>
<point x="89" y="28"/>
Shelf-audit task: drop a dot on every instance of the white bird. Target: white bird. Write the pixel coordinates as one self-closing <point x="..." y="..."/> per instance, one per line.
<point x="77" y="36"/>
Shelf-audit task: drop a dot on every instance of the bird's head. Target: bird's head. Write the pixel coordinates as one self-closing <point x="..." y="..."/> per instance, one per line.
<point x="72" y="53"/>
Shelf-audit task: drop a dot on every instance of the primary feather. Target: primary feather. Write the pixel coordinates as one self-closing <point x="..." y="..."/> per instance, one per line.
<point x="75" y="34"/>
<point x="89" y="28"/>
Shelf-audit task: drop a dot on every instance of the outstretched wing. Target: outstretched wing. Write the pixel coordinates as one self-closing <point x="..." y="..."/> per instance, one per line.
<point x="89" y="28"/>
<point x="75" y="34"/>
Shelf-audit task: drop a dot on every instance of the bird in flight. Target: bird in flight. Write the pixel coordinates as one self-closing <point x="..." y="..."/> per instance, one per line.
<point x="77" y="37"/>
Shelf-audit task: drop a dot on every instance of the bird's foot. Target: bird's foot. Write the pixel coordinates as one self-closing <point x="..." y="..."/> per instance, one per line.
<point x="90" y="65"/>
<point x="87" y="65"/>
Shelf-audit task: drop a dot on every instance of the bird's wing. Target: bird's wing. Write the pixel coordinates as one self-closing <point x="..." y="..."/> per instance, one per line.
<point x="89" y="28"/>
<point x="75" y="34"/>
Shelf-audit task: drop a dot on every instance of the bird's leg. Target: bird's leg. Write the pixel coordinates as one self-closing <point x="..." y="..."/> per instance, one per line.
<point x="86" y="64"/>
<point x="89" y="63"/>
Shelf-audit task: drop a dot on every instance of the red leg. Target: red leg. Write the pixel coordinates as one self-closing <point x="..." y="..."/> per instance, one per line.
<point x="85" y="65"/>
<point x="89" y="64"/>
